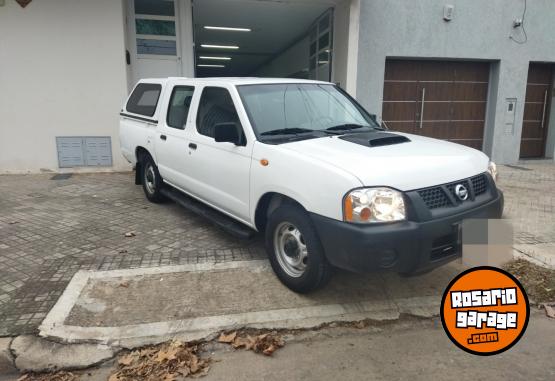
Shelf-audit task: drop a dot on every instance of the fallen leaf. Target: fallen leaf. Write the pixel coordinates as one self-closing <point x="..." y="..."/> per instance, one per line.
<point x="164" y="362"/>
<point x="269" y="351"/>
<point x="227" y="338"/>
<point x="549" y="311"/>
<point x="13" y="222"/>
<point x="124" y="284"/>
<point x="360" y="324"/>
<point x="168" y="354"/>
<point x="127" y="360"/>
<point x="130" y="234"/>
<point x="49" y="376"/>
<point x="243" y="342"/>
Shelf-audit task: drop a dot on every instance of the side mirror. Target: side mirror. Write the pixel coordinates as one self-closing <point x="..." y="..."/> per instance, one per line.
<point x="227" y="132"/>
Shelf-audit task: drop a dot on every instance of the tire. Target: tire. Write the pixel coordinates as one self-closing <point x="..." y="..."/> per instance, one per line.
<point x="288" y="231"/>
<point x="151" y="180"/>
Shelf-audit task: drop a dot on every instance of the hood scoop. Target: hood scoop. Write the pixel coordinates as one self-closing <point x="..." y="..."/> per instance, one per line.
<point x="375" y="139"/>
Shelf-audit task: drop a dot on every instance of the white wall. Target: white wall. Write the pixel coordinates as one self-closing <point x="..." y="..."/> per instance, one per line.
<point x="292" y="60"/>
<point x="479" y="30"/>
<point x="62" y="73"/>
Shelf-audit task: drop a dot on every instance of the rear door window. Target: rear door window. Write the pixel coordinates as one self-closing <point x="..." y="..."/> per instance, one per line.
<point x="180" y="103"/>
<point x="144" y="99"/>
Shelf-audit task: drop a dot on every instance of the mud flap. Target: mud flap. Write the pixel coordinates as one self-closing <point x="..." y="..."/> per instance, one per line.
<point x="138" y="173"/>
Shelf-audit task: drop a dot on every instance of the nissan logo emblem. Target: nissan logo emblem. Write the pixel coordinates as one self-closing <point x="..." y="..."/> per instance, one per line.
<point x="461" y="192"/>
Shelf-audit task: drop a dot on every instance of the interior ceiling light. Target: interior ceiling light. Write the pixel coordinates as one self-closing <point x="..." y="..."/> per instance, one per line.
<point x="228" y="28"/>
<point x="219" y="46"/>
<point x="215" y="58"/>
<point x="204" y="65"/>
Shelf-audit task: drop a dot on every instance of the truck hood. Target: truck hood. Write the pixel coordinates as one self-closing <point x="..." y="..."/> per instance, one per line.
<point x="397" y="160"/>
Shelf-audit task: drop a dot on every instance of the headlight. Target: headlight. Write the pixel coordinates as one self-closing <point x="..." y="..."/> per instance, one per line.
<point x="492" y="169"/>
<point x="367" y="205"/>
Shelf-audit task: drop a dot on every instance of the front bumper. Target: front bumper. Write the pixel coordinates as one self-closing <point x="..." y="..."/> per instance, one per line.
<point x="406" y="247"/>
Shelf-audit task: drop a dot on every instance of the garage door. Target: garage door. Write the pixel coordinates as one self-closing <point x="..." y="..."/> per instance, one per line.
<point x="440" y="99"/>
<point x="536" y="109"/>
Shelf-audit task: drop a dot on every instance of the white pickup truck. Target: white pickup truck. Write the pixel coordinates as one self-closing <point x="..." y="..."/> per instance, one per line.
<point x="304" y="163"/>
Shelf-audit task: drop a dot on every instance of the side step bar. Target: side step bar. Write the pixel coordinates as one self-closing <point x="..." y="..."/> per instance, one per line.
<point x="233" y="227"/>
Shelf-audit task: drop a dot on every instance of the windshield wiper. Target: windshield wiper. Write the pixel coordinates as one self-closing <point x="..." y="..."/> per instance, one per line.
<point x="351" y="126"/>
<point x="287" y="131"/>
<point x="346" y="127"/>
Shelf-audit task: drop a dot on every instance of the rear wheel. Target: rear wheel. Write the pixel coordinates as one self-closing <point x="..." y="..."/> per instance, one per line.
<point x="151" y="179"/>
<point x="295" y="251"/>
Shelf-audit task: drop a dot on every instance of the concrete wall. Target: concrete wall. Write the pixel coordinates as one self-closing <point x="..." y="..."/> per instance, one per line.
<point x="292" y="60"/>
<point x="62" y="73"/>
<point x="340" y="43"/>
<point x="480" y="30"/>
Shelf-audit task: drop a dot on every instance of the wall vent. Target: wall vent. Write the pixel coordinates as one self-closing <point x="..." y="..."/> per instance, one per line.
<point x="84" y="151"/>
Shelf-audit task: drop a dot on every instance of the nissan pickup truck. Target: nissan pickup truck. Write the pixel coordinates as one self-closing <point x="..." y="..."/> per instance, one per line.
<point x="304" y="164"/>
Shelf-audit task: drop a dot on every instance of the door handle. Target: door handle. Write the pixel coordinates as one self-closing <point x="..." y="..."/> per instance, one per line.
<point x="544" y="104"/>
<point x="422" y="106"/>
<point x="192" y="146"/>
<point x="163" y="137"/>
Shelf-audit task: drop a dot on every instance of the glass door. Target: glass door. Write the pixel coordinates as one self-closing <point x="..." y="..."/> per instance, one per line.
<point x="321" y="41"/>
<point x="155" y="46"/>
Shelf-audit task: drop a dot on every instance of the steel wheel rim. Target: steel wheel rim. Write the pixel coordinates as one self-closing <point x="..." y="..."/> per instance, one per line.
<point x="290" y="249"/>
<point x="150" y="178"/>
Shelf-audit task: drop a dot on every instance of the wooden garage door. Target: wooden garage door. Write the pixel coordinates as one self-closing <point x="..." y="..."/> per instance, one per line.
<point x="536" y="106"/>
<point x="440" y="99"/>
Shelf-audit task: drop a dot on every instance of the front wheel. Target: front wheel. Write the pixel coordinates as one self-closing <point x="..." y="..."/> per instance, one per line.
<point x="151" y="179"/>
<point x="295" y="251"/>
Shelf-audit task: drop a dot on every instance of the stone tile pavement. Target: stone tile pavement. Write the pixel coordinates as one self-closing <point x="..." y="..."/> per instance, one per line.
<point x="50" y="229"/>
<point x="529" y="190"/>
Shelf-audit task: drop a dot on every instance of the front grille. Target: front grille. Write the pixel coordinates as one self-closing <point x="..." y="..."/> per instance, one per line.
<point x="434" y="197"/>
<point x="479" y="184"/>
<point x="438" y="197"/>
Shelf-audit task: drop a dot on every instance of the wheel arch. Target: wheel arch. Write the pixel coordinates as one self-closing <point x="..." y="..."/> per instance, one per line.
<point x="269" y="202"/>
<point x="140" y="152"/>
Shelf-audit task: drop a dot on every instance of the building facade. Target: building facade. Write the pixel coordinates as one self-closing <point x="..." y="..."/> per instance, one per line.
<point x="476" y="72"/>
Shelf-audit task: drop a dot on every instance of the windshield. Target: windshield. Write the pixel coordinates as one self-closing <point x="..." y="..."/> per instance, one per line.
<point x="293" y="109"/>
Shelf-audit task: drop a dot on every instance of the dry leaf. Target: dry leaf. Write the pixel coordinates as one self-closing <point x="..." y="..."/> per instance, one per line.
<point x="549" y="311"/>
<point x="360" y="324"/>
<point x="127" y="360"/>
<point x="227" y="338"/>
<point x="268" y="351"/>
<point x="266" y="343"/>
<point x="167" y="355"/>
<point x="124" y="284"/>
<point x="165" y="362"/>
<point x="53" y="376"/>
<point x="130" y="234"/>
